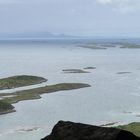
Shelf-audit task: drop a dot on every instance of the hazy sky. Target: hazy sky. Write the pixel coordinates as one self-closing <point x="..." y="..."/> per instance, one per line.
<point x="74" y="17"/>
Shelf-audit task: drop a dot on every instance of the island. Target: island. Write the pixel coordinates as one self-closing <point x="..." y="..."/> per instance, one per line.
<point x="105" y="45"/>
<point x="125" y="72"/>
<point x="93" y="46"/>
<point x="89" y="68"/>
<point x="35" y="93"/>
<point x="20" y="81"/>
<point x="129" y="46"/>
<point x="75" y="71"/>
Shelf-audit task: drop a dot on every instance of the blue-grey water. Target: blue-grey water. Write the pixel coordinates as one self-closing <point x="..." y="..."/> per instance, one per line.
<point x="112" y="97"/>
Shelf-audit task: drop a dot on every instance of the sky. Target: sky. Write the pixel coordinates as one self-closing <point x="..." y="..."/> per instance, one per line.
<point x="72" y="17"/>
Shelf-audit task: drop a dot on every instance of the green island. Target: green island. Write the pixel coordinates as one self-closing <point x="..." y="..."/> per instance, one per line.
<point x="132" y="127"/>
<point x="111" y="45"/>
<point x="20" y="81"/>
<point x="93" y="46"/>
<point x="7" y="101"/>
<point x="129" y="46"/>
<point x="89" y="68"/>
<point x="75" y="71"/>
<point x="124" y="72"/>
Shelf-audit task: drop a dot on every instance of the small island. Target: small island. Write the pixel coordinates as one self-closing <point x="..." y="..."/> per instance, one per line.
<point x="89" y="68"/>
<point x="75" y="71"/>
<point x="123" y="72"/>
<point x="129" y="46"/>
<point x="20" y="81"/>
<point x="93" y="46"/>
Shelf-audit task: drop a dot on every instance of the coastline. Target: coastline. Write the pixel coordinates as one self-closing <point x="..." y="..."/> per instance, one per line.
<point x="7" y="112"/>
<point x="35" y="93"/>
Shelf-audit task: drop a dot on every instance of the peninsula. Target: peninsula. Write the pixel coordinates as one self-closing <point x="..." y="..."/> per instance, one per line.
<point x="7" y="99"/>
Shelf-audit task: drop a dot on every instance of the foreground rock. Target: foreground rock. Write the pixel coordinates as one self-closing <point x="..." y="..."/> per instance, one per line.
<point x="76" y="131"/>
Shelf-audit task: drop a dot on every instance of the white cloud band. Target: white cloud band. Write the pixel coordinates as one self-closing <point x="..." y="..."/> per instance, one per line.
<point x="123" y="6"/>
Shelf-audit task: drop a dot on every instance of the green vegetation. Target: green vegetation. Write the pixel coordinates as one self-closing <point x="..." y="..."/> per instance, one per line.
<point x="99" y="45"/>
<point x="20" y="81"/>
<point x="93" y="46"/>
<point x="36" y="92"/>
<point x="132" y="127"/>
<point x="130" y="46"/>
<point x="111" y="45"/>
<point x="5" y="107"/>
<point x="74" y="71"/>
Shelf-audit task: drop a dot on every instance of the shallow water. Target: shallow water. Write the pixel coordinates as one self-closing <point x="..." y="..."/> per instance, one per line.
<point x="112" y="98"/>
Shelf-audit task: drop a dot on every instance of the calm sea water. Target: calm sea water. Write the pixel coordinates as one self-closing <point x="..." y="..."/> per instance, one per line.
<point x="112" y="98"/>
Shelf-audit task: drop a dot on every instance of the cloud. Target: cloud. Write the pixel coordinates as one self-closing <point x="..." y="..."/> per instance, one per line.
<point x="115" y="1"/>
<point x="122" y="6"/>
<point x="7" y="1"/>
<point x="104" y="1"/>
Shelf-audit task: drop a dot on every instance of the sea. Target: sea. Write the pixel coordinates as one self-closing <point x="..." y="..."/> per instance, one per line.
<point x="114" y="95"/>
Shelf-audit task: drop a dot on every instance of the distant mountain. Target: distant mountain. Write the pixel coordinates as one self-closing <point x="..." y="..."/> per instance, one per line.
<point x="34" y="35"/>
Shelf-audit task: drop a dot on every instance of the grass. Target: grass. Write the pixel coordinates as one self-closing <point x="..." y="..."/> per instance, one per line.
<point x="130" y="46"/>
<point x="36" y="92"/>
<point x="132" y="127"/>
<point x="93" y="46"/>
<point x="20" y="81"/>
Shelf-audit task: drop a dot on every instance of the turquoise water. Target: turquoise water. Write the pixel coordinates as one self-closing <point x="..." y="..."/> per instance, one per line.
<point x="112" y="98"/>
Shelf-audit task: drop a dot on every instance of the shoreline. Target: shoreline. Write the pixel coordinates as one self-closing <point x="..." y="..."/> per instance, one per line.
<point x="7" y="112"/>
<point x="34" y="94"/>
<point x="20" y="81"/>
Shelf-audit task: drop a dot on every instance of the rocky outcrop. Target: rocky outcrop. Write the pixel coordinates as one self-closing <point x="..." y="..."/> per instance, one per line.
<point x="77" y="131"/>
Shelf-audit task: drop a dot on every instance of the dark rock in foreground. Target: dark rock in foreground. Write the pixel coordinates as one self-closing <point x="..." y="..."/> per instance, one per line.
<point x="77" y="131"/>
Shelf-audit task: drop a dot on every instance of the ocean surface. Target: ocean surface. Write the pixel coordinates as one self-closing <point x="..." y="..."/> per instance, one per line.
<point x="112" y="97"/>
